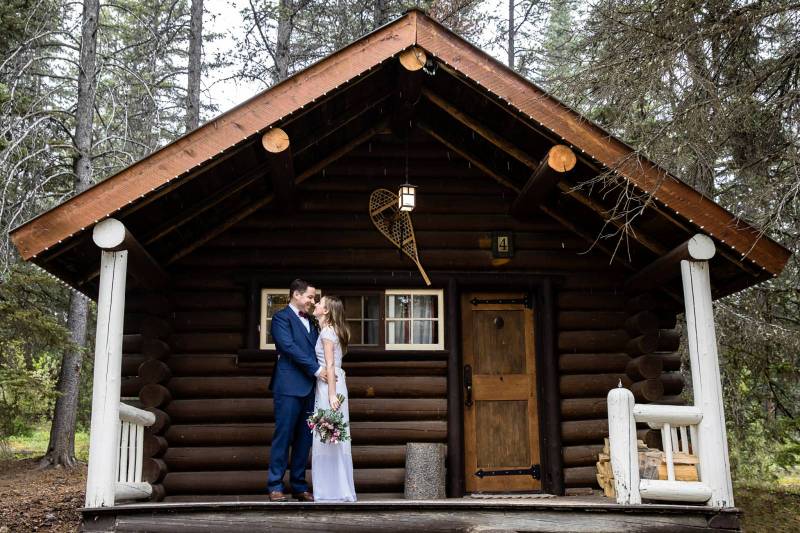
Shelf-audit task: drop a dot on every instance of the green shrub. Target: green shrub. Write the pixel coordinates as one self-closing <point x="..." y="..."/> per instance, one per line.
<point x="27" y="395"/>
<point x="32" y="339"/>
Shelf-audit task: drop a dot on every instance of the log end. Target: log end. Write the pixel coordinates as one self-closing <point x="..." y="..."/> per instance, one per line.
<point x="561" y="158"/>
<point x="154" y="445"/>
<point x="154" y="371"/>
<point x="153" y="470"/>
<point x="413" y="58"/>
<point x="153" y="395"/>
<point x="648" y="390"/>
<point x="109" y="234"/>
<point x="158" y="493"/>
<point x="162" y="421"/>
<point x="701" y="247"/>
<point x="275" y="141"/>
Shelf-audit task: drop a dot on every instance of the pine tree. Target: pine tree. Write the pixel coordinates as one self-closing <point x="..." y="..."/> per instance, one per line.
<point x="195" y="66"/>
<point x="61" y="448"/>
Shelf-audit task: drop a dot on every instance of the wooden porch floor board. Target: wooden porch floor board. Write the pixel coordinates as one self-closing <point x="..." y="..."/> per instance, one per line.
<point x="554" y="514"/>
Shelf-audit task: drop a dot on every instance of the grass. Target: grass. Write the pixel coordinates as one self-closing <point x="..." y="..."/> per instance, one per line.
<point x="770" y="506"/>
<point x="35" y="444"/>
<point x="791" y="481"/>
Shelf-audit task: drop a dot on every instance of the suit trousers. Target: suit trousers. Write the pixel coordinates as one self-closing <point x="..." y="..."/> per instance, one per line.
<point x="292" y="431"/>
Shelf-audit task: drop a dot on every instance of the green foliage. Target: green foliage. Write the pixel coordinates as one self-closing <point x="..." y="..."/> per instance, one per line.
<point x="12" y="24"/>
<point x="709" y="90"/>
<point x="317" y="28"/>
<point x="32" y="338"/>
<point x="27" y="395"/>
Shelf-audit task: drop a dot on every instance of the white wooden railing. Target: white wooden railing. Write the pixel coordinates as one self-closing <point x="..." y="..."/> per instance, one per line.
<point x="129" y="485"/>
<point x="678" y="425"/>
<point x="699" y="428"/>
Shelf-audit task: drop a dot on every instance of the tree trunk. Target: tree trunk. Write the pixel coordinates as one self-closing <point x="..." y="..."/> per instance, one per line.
<point x="284" y="35"/>
<point x="379" y="13"/>
<point x="511" y="34"/>
<point x="61" y="449"/>
<point x="195" y="66"/>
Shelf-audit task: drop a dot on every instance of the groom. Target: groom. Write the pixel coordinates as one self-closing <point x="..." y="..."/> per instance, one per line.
<point x="292" y="387"/>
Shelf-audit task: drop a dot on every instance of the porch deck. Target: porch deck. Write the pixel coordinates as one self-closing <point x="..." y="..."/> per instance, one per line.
<point x="389" y="513"/>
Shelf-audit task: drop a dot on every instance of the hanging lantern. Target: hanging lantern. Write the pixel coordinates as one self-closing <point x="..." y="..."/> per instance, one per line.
<point x="406" y="198"/>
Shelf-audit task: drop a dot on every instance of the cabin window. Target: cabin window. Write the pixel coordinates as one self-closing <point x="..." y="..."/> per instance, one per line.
<point x="414" y="320"/>
<point x="394" y="319"/>
<point x="363" y="313"/>
<point x="272" y="301"/>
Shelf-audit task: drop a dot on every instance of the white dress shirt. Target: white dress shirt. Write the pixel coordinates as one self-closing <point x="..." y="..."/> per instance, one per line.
<point x="303" y="319"/>
<point x="307" y="324"/>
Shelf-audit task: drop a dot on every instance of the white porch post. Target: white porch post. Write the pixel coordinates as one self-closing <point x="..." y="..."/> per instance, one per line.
<point x="622" y="443"/>
<point x="712" y="441"/>
<point x="109" y="235"/>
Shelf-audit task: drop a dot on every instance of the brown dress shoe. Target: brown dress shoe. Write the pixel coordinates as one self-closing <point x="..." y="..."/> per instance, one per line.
<point x="277" y="496"/>
<point x="303" y="496"/>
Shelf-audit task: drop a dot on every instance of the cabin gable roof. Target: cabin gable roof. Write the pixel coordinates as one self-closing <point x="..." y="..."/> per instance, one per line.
<point x="232" y="133"/>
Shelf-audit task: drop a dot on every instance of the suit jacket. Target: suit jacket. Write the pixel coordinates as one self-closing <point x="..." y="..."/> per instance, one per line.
<point x="297" y="362"/>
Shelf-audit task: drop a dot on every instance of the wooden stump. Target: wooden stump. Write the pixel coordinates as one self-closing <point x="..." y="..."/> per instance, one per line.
<point x="425" y="479"/>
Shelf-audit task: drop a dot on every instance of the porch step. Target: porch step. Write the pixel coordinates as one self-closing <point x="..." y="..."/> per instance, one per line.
<point x="590" y="515"/>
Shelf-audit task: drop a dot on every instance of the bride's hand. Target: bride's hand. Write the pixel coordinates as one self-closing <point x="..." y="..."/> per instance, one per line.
<point x="335" y="403"/>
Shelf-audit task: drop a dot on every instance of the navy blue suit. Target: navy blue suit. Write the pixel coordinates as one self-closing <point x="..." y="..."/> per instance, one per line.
<point x="292" y="387"/>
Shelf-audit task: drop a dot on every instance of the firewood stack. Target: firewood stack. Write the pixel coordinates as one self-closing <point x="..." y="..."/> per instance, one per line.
<point x="652" y="465"/>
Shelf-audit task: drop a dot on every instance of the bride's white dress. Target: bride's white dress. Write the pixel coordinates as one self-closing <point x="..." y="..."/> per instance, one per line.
<point x="332" y="464"/>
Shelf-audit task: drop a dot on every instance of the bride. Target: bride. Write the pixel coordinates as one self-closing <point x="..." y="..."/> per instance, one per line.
<point x="332" y="464"/>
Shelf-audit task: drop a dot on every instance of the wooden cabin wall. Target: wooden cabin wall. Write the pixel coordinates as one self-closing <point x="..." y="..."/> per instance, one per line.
<point x="215" y="415"/>
<point x="219" y="414"/>
<point x="145" y="374"/>
<point x="607" y="337"/>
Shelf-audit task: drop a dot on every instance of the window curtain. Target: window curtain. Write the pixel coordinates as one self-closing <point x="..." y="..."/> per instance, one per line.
<point x="424" y="307"/>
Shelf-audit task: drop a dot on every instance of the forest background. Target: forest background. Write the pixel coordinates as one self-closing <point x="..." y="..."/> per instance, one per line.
<point x="710" y="89"/>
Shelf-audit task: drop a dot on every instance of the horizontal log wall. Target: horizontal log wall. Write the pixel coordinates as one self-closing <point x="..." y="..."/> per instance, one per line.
<point x="214" y="416"/>
<point x="147" y="327"/>
<point x="220" y="412"/>
<point x="607" y="339"/>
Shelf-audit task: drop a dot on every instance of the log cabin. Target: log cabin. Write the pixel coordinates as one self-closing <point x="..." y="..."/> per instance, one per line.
<point x="494" y="319"/>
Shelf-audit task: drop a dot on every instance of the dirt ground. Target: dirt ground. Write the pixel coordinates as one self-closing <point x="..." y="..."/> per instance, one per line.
<point x="39" y="500"/>
<point x="48" y="500"/>
<point x="768" y="510"/>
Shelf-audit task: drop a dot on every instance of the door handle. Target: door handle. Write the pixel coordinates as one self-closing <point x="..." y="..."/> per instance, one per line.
<point x="468" y="386"/>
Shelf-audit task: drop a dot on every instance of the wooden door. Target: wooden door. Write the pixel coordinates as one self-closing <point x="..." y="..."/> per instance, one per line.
<point x="501" y="422"/>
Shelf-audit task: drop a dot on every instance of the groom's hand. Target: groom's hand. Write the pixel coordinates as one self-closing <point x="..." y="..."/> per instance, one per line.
<point x="323" y="375"/>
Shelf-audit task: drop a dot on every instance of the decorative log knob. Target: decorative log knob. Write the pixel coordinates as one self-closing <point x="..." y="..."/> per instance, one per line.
<point x="561" y="158"/>
<point x="275" y="141"/>
<point x="413" y="59"/>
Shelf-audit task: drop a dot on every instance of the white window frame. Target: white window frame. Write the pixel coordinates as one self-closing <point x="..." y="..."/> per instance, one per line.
<point x="262" y="328"/>
<point x="262" y="324"/>
<point x="439" y="293"/>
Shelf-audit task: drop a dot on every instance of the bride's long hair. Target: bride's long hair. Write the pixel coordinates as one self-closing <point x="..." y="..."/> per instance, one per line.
<point x="336" y="320"/>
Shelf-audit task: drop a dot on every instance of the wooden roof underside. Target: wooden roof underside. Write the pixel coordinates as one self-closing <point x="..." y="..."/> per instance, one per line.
<point x="473" y="106"/>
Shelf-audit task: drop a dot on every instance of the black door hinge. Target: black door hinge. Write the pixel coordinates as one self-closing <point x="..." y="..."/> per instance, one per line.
<point x="534" y="471"/>
<point x="526" y="301"/>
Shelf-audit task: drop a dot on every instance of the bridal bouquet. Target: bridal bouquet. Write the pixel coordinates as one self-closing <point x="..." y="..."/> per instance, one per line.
<point x="329" y="424"/>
